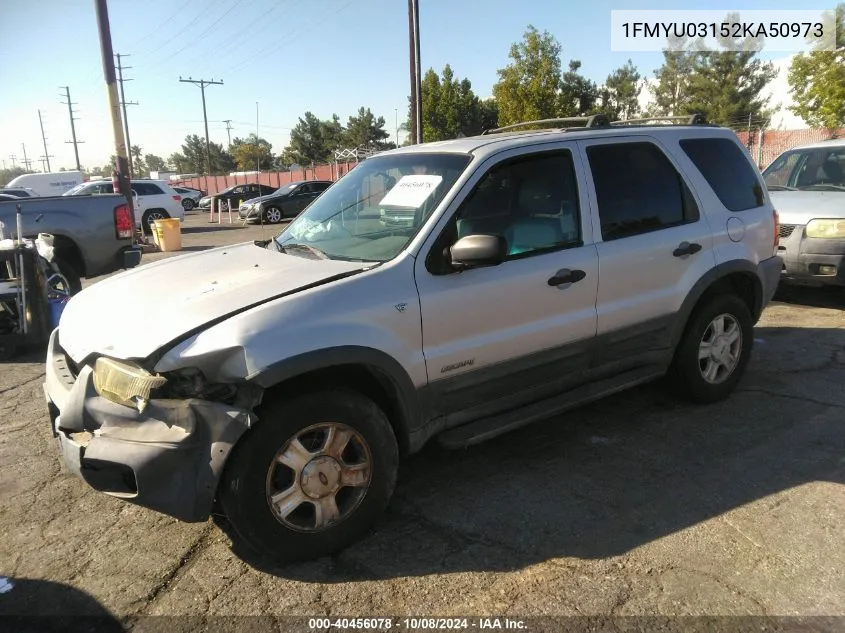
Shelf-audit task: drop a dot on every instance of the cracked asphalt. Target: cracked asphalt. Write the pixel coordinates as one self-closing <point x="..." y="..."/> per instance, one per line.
<point x="635" y="505"/>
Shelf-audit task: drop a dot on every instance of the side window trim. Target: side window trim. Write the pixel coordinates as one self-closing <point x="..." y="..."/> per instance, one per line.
<point x="457" y="204"/>
<point x="689" y="192"/>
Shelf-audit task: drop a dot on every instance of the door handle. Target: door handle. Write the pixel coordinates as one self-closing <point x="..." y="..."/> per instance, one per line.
<point x="686" y="248"/>
<point x="566" y="276"/>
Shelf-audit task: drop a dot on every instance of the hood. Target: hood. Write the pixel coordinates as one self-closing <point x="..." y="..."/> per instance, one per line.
<point x="266" y="197"/>
<point x="799" y="207"/>
<point x="133" y="314"/>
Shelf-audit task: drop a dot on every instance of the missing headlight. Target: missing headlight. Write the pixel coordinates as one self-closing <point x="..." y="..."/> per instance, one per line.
<point x="192" y="383"/>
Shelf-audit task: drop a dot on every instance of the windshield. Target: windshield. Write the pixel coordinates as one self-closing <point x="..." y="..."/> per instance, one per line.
<point x="375" y="210"/>
<point x="812" y="169"/>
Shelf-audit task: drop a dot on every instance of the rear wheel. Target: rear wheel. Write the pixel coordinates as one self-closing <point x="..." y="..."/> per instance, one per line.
<point x="152" y="215"/>
<point x="314" y="475"/>
<point x="715" y="349"/>
<point x="188" y="204"/>
<point x="67" y="281"/>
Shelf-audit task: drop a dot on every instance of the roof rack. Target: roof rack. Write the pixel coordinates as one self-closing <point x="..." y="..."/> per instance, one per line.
<point x="596" y="120"/>
<point x="691" y="119"/>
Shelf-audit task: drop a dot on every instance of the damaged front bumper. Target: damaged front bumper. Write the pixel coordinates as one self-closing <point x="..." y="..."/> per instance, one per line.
<point x="168" y="458"/>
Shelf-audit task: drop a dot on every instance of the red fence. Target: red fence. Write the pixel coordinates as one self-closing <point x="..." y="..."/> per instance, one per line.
<point x="767" y="145"/>
<point x="215" y="184"/>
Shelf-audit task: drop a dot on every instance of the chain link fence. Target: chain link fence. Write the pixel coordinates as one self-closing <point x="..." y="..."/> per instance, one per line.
<point x="766" y="145"/>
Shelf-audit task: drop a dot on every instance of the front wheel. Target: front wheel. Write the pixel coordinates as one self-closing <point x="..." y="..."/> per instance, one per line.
<point x="313" y="477"/>
<point x="714" y="350"/>
<point x="272" y="215"/>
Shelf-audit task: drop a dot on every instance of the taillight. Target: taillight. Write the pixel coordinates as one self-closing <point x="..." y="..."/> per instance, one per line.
<point x="177" y="198"/>
<point x="777" y="228"/>
<point x="123" y="222"/>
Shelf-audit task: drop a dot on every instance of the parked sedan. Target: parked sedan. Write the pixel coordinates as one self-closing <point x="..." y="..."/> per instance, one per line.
<point x="236" y="194"/>
<point x="190" y="197"/>
<point x="286" y="202"/>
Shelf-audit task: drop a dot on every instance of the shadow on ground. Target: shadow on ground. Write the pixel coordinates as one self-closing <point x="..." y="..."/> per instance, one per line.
<point x="59" y="607"/>
<point x="608" y="477"/>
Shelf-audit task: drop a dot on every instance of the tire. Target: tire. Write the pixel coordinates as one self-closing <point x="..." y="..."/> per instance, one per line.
<point x="690" y="373"/>
<point x="74" y="282"/>
<point x="150" y="215"/>
<point x="253" y="475"/>
<point x="188" y="204"/>
<point x="273" y="215"/>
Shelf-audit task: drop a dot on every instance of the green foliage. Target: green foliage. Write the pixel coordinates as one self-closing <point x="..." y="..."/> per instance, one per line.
<point x="308" y="141"/>
<point x="139" y="169"/>
<point x="578" y="95"/>
<point x="450" y="108"/>
<point x="817" y="80"/>
<point x="252" y="152"/>
<point x="364" y="131"/>
<point x="529" y="87"/>
<point x="192" y="158"/>
<point x="620" y="93"/>
<point x="154" y="163"/>
<point x="7" y="175"/>
<point x="670" y="93"/>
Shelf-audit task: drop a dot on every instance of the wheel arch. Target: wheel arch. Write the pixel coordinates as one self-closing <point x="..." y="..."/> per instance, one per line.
<point x="368" y="371"/>
<point x="739" y="277"/>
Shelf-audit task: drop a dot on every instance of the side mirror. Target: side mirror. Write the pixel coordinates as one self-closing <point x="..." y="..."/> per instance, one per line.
<point x="474" y="251"/>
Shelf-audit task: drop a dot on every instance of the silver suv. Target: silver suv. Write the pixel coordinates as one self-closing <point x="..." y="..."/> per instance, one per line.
<point x="539" y="270"/>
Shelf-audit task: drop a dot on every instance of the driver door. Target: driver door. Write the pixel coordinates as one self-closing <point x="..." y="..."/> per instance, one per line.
<point x="498" y="337"/>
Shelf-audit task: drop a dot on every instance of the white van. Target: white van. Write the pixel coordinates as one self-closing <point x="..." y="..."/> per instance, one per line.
<point x="51" y="184"/>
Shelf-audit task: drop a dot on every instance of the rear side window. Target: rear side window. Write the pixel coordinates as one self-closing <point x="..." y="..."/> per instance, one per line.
<point x="725" y="167"/>
<point x="638" y="190"/>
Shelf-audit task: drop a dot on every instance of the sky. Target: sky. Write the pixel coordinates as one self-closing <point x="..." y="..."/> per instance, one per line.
<point x="277" y="59"/>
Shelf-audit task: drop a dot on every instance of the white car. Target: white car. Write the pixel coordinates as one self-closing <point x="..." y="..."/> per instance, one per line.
<point x="154" y="199"/>
<point x="190" y="197"/>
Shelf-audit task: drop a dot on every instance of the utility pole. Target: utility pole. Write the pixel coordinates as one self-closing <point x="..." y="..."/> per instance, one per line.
<point x="26" y="161"/>
<point x="120" y="175"/>
<point x="13" y="158"/>
<point x="46" y="156"/>
<point x="228" y="123"/>
<point x="416" y="87"/>
<point x="202" y="83"/>
<point x="70" y="105"/>
<point x="124" y="103"/>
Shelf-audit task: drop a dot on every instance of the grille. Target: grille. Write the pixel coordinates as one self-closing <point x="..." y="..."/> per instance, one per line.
<point x="786" y="230"/>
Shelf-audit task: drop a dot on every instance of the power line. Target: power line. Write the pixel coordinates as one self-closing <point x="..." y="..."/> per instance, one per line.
<point x="75" y="142"/>
<point x="203" y="13"/>
<point x="123" y="104"/>
<point x="46" y="157"/>
<point x="202" y="83"/>
<point x="284" y="40"/>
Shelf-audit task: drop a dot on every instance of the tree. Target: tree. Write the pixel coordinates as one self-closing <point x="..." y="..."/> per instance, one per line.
<point x="670" y="92"/>
<point x="489" y="111"/>
<point x="365" y="131"/>
<point x="621" y="92"/>
<point x="251" y="152"/>
<point x="154" y="163"/>
<point x="726" y="85"/>
<point x="817" y="81"/>
<point x="578" y="95"/>
<point x="332" y="133"/>
<point x="192" y="159"/>
<point x="7" y="175"/>
<point x="307" y="142"/>
<point x="138" y="166"/>
<point x="528" y="88"/>
<point x="449" y="107"/>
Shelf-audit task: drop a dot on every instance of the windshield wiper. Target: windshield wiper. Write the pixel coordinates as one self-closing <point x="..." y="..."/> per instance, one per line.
<point x="780" y="188"/>
<point x="284" y="248"/>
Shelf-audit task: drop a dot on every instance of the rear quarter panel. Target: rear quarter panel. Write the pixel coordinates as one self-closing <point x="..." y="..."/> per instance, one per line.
<point x="88" y="221"/>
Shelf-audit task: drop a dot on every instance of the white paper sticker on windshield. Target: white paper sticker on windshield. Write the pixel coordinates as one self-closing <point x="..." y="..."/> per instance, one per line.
<point x="411" y="191"/>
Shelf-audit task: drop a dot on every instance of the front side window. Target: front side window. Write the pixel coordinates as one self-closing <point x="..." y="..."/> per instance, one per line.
<point x="375" y="210"/>
<point x="638" y="190"/>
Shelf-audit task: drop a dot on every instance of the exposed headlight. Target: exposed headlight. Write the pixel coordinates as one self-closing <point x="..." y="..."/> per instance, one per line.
<point x="125" y="383"/>
<point x="826" y="228"/>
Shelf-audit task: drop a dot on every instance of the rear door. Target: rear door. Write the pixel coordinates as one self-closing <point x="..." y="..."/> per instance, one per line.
<point x="653" y="244"/>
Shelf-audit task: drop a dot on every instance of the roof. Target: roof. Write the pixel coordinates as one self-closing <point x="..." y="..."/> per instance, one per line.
<point x="491" y="143"/>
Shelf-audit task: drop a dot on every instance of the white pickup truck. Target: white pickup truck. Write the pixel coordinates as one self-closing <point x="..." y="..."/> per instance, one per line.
<point x="807" y="187"/>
